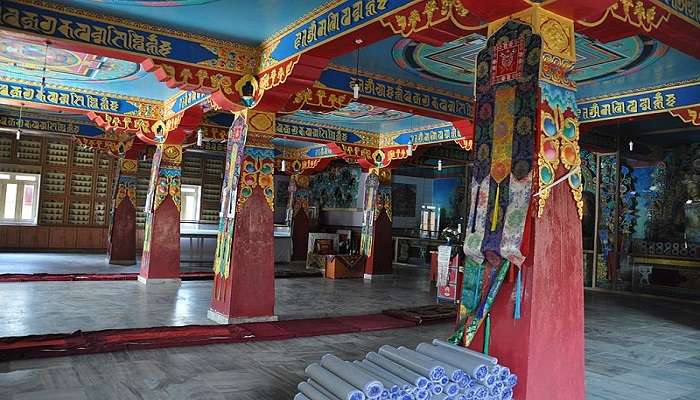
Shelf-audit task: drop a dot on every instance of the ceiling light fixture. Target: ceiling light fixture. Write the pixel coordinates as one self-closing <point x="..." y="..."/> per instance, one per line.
<point x="43" y="70"/>
<point x="631" y="145"/>
<point x="20" y="122"/>
<point x="356" y="86"/>
<point x="200" y="137"/>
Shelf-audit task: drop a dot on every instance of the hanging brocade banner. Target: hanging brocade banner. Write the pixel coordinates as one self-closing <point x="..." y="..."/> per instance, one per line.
<point x="235" y="147"/>
<point x="506" y="94"/>
<point x="507" y="75"/>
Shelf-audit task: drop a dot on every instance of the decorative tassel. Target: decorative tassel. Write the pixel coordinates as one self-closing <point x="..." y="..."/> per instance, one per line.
<point x="487" y="334"/>
<point x="518" y="293"/>
<point x="494" y="215"/>
<point x="476" y="204"/>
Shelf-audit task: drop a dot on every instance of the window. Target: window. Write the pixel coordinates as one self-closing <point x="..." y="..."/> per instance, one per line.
<point x="19" y="198"/>
<point x="189" y="208"/>
<point x="429" y="221"/>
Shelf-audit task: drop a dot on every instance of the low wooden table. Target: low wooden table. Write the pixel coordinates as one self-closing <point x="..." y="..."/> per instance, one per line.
<point x="345" y="266"/>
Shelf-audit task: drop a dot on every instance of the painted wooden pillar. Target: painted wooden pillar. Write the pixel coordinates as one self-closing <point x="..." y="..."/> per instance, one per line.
<point x="160" y="261"/>
<point x="376" y="225"/>
<point x="122" y="235"/>
<point x="301" y="220"/>
<point x="244" y="265"/>
<point x="527" y="128"/>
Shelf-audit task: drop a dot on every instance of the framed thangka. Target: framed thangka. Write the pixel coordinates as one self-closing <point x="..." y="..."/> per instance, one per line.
<point x="403" y="200"/>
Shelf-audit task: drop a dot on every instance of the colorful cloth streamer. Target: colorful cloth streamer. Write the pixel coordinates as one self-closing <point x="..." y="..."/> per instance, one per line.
<point x="518" y="293"/>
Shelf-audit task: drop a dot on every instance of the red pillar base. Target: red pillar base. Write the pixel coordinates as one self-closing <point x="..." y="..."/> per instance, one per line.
<point x="122" y="247"/>
<point x="300" y="236"/>
<point x="545" y="347"/>
<point x="161" y="257"/>
<point x="248" y="292"/>
<point x="380" y="261"/>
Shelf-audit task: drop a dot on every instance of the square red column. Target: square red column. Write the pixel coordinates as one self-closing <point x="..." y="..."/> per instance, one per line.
<point x="244" y="266"/>
<point x="160" y="262"/>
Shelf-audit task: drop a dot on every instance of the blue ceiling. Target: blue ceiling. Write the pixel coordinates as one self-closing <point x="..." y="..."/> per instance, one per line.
<point x="21" y="58"/>
<point x="618" y="66"/>
<point x="366" y="118"/>
<point x="247" y="22"/>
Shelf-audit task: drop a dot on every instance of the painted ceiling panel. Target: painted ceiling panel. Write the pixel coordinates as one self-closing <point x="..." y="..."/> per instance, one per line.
<point x="622" y="65"/>
<point x="366" y="117"/>
<point x="243" y="21"/>
<point x="24" y="59"/>
<point x="294" y="144"/>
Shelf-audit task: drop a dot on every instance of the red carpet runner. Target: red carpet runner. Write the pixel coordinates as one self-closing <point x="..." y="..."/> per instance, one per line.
<point x="185" y="276"/>
<point x="79" y="342"/>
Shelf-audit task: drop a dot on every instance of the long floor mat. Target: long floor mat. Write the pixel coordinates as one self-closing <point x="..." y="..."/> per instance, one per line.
<point x="79" y="342"/>
<point x="185" y="276"/>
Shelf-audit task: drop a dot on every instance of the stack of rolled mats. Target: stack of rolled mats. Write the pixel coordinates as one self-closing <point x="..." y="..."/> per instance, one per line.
<point x="437" y="371"/>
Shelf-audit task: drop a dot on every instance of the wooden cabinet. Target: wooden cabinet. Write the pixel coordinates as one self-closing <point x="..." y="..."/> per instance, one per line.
<point x="9" y="236"/>
<point x="345" y="266"/>
<point x="34" y="237"/>
<point x="53" y="237"/>
<point x="91" y="238"/>
<point x="62" y="237"/>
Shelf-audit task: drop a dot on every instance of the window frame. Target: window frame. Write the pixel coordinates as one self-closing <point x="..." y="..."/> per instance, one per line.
<point x="21" y="183"/>
<point x="433" y="213"/>
<point x="198" y="211"/>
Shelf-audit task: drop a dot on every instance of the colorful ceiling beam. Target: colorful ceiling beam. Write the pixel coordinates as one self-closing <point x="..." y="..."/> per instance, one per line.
<point x="673" y="22"/>
<point x="651" y="101"/>
<point x="690" y="115"/>
<point x="323" y="133"/>
<point x="400" y="95"/>
<point x="36" y="122"/>
<point x="333" y="29"/>
<point x="122" y="38"/>
<point x="15" y="91"/>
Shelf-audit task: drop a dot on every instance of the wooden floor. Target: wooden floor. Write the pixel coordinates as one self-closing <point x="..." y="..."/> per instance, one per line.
<point x="636" y="349"/>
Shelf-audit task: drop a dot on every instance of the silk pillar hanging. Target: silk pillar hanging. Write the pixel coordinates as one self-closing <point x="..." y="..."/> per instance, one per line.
<point x="506" y="94"/>
<point x="371" y="193"/>
<point x="229" y="193"/>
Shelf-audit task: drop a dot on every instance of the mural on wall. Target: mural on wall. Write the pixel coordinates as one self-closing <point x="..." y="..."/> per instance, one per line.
<point x="336" y="187"/>
<point x="446" y="196"/>
<point x="672" y="200"/>
<point x="281" y="194"/>
<point x="404" y="196"/>
<point x="588" y="174"/>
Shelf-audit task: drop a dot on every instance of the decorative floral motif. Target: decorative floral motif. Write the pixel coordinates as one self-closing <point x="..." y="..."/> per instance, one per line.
<point x="301" y="194"/>
<point x="558" y="143"/>
<point x="126" y="183"/>
<point x="126" y="189"/>
<point x="168" y="184"/>
<point x="257" y="171"/>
